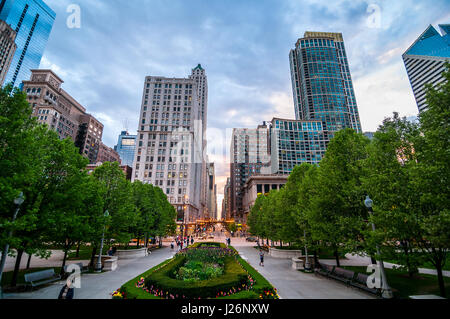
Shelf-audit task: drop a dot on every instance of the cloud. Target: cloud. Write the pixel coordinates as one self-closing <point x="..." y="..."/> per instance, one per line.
<point x="244" y="47"/>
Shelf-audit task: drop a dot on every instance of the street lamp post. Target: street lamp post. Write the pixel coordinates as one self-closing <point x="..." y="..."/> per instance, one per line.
<point x="386" y="290"/>
<point x="18" y="201"/>
<point x="98" y="267"/>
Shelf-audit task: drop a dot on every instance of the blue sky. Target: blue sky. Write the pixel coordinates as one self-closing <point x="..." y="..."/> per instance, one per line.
<point x="244" y="47"/>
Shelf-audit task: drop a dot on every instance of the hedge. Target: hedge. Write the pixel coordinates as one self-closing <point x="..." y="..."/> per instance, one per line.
<point x="234" y="277"/>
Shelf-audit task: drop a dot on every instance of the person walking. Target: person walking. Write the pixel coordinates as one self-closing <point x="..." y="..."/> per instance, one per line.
<point x="171" y="245"/>
<point x="261" y="258"/>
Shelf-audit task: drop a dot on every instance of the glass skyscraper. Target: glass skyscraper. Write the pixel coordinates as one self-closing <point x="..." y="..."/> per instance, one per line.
<point x="322" y="84"/>
<point x="126" y="147"/>
<point x="32" y="20"/>
<point x="425" y="61"/>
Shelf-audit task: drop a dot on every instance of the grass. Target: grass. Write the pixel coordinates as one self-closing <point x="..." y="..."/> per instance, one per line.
<point x="7" y="276"/>
<point x="402" y="286"/>
<point x="428" y="264"/>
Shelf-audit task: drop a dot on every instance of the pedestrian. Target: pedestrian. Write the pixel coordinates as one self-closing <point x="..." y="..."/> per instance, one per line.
<point x="181" y="245"/>
<point x="110" y="253"/>
<point x="261" y="258"/>
<point x="67" y="291"/>
<point x="192" y="240"/>
<point x="171" y="245"/>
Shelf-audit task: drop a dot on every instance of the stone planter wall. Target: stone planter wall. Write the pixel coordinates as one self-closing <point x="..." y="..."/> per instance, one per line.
<point x="284" y="253"/>
<point x="131" y="253"/>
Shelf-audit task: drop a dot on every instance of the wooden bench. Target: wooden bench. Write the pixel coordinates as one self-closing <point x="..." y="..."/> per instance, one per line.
<point x="342" y="274"/>
<point x="361" y="282"/>
<point x="41" y="277"/>
<point x="324" y="270"/>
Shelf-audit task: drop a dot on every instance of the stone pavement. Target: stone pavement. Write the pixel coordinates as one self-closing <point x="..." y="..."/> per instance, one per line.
<point x="100" y="286"/>
<point x="293" y="284"/>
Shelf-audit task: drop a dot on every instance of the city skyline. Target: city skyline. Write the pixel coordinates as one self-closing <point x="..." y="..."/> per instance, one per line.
<point x="244" y="49"/>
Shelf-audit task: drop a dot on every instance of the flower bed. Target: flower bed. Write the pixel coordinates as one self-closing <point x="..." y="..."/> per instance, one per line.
<point x="236" y="281"/>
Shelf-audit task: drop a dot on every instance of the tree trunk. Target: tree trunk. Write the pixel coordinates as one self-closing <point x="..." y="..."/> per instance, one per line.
<point x="336" y="254"/>
<point x="281" y="243"/>
<point x="78" y="249"/>
<point x="17" y="268"/>
<point x="373" y="260"/>
<point x="316" y="259"/>
<point x="64" y="261"/>
<point x="441" y="279"/>
<point x="91" y="262"/>
<point x="29" y="261"/>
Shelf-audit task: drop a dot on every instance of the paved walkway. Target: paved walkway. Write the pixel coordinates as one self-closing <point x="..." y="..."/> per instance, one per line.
<point x="100" y="286"/>
<point x="293" y="284"/>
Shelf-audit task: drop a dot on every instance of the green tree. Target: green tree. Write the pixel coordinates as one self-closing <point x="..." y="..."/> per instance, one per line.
<point x="431" y="176"/>
<point x="338" y="213"/>
<point x="388" y="181"/>
<point x="117" y="196"/>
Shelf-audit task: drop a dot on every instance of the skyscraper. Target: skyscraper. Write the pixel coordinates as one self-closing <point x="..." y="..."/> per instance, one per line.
<point x="126" y="147"/>
<point x="424" y="61"/>
<point x="7" y="49"/>
<point x="249" y="156"/>
<point x="322" y="84"/>
<point x="169" y="150"/>
<point x="32" y="20"/>
<point x="294" y="142"/>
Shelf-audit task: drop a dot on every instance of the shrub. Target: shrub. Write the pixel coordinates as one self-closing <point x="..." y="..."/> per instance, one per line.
<point x="162" y="284"/>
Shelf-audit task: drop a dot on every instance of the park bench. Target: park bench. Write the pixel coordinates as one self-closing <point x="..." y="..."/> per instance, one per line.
<point x="343" y="275"/>
<point x="41" y="277"/>
<point x="324" y="270"/>
<point x="361" y="282"/>
<point x="83" y="269"/>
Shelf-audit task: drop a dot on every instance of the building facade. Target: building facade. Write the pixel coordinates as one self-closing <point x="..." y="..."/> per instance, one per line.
<point x="107" y="154"/>
<point x="322" y="84"/>
<point x="295" y="142"/>
<point x="425" y="61"/>
<point x="126" y="146"/>
<point x="212" y="192"/>
<point x="249" y="156"/>
<point x="7" y="49"/>
<point x="169" y="150"/>
<point x="260" y="185"/>
<point x="62" y="113"/>
<point x="32" y="21"/>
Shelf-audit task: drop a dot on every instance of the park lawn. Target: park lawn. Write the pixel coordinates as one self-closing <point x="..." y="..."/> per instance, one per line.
<point x="403" y="286"/>
<point x="429" y="265"/>
<point x="7" y="276"/>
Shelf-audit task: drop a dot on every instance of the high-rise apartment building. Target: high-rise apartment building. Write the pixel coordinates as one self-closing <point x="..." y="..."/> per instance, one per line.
<point x="424" y="61"/>
<point x="32" y="21"/>
<point x="295" y="142"/>
<point x="249" y="156"/>
<point x="170" y="143"/>
<point x="126" y="146"/>
<point x="62" y="113"/>
<point x="7" y="48"/>
<point x="322" y="84"/>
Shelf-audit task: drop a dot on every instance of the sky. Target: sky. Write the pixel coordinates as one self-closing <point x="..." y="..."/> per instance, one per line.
<point x="244" y="47"/>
